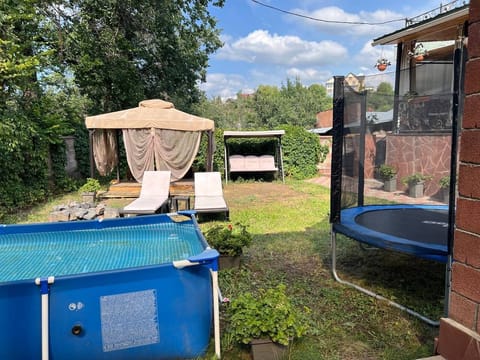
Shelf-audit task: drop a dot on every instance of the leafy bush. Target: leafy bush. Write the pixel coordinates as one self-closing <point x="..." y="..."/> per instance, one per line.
<point x="91" y="185"/>
<point x="24" y="175"/>
<point x="416" y="178"/>
<point x="229" y="239"/>
<point x="301" y="152"/>
<point x="387" y="172"/>
<point x="268" y="314"/>
<point x="444" y="182"/>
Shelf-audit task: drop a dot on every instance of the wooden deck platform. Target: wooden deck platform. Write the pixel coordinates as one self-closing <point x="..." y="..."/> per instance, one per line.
<point x="182" y="187"/>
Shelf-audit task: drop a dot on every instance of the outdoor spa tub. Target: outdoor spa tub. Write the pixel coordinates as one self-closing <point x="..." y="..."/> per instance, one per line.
<point x="130" y="288"/>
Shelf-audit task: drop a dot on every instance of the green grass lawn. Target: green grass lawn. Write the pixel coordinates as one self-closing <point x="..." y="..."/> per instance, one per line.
<point x="291" y="245"/>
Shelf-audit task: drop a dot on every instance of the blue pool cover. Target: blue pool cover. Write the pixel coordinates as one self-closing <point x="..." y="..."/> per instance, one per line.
<point x="56" y="249"/>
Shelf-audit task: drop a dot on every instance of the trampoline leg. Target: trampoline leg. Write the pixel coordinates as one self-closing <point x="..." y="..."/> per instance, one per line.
<point x="333" y="240"/>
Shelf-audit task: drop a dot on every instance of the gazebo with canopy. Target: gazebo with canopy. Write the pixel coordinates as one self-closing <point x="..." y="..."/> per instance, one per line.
<point x="156" y="137"/>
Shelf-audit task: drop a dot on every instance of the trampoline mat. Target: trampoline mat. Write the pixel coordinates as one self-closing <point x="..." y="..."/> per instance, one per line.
<point x="415" y="224"/>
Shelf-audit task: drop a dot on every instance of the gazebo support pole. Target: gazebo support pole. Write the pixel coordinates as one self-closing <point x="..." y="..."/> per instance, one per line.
<point x="225" y="159"/>
<point x="210" y="148"/>
<point x="117" y="133"/>
<point x="90" y="151"/>
<point x="281" y="158"/>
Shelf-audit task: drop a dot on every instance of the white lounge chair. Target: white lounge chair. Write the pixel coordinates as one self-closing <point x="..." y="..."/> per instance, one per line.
<point x="153" y="194"/>
<point x="209" y="193"/>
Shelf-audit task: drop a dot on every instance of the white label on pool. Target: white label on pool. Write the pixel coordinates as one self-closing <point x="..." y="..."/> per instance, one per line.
<point x="129" y="320"/>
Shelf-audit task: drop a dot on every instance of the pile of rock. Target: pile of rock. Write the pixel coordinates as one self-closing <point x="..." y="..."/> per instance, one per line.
<point x="81" y="211"/>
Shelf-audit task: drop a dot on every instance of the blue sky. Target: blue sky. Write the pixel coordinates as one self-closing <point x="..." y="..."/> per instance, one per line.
<point x="266" y="47"/>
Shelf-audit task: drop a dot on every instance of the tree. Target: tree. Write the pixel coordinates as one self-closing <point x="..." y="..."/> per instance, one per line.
<point x="269" y="107"/>
<point x="124" y="51"/>
<point x="300" y="104"/>
<point x="266" y="103"/>
<point x="23" y="48"/>
<point x="381" y="99"/>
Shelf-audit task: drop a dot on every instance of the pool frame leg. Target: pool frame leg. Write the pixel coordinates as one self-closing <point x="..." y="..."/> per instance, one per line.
<point x="44" y="284"/>
<point x="216" y="312"/>
<point x="333" y="239"/>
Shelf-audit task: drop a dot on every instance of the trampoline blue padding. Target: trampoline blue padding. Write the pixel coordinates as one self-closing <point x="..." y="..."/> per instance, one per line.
<point x="419" y="230"/>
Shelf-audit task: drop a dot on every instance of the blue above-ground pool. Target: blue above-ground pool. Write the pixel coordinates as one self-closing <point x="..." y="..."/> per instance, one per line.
<point x="130" y="288"/>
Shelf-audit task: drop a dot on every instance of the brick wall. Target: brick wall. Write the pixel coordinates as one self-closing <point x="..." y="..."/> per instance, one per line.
<point x="466" y="268"/>
<point x="459" y="334"/>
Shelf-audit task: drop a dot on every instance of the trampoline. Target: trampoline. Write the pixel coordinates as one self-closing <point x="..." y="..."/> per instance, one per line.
<point x="419" y="230"/>
<point x="423" y="231"/>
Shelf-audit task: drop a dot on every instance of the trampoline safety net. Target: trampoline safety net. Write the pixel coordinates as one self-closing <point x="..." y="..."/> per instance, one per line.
<point x="372" y="128"/>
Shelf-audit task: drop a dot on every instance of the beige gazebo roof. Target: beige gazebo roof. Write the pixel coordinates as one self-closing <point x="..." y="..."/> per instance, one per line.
<point x="153" y="113"/>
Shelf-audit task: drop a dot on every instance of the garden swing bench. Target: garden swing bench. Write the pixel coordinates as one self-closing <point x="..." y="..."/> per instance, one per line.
<point x="254" y="163"/>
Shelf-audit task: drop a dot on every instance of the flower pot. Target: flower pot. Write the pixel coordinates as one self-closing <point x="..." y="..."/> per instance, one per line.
<point x="229" y="262"/>
<point x="445" y="195"/>
<point x="419" y="58"/>
<point x="382" y="67"/>
<point x="266" y="349"/>
<point x="89" y="197"/>
<point x="415" y="190"/>
<point x="390" y="185"/>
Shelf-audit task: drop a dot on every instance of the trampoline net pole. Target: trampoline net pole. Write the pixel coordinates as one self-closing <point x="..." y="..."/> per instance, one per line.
<point x="337" y="151"/>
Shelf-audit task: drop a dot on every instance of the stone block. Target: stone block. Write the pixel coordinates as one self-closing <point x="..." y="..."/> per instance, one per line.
<point x="60" y="215"/>
<point x="110" y="213"/>
<point x="90" y="214"/>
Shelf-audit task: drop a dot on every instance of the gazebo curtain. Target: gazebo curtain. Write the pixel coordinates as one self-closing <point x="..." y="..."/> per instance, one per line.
<point x="105" y="150"/>
<point x="160" y="149"/>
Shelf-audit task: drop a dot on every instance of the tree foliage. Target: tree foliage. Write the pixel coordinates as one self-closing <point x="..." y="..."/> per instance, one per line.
<point x="381" y="99"/>
<point x="269" y="107"/>
<point x="62" y="59"/>
<point x="293" y="107"/>
<point x="124" y="51"/>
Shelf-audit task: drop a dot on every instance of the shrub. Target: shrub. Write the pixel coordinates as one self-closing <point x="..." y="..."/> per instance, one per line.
<point x="416" y="178"/>
<point x="229" y="239"/>
<point x="444" y="182"/>
<point x="270" y="314"/>
<point x="92" y="185"/>
<point x="301" y="152"/>
<point x="387" y="172"/>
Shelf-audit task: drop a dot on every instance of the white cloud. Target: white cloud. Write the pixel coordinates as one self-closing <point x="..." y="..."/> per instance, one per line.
<point x="226" y="86"/>
<point x="336" y="21"/>
<point x="309" y="76"/>
<point x="261" y="47"/>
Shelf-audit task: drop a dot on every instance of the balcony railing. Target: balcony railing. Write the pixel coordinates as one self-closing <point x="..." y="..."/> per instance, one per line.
<point x="443" y="8"/>
<point x="431" y="113"/>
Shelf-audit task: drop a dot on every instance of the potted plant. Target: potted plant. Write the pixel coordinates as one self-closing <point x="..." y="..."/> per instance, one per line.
<point x="389" y="176"/>
<point x="444" y="183"/>
<point x="382" y="64"/>
<point x="415" y="183"/>
<point x="418" y="53"/>
<point x="268" y="321"/>
<point x="229" y="240"/>
<point x="89" y="190"/>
